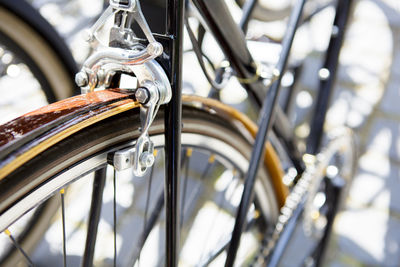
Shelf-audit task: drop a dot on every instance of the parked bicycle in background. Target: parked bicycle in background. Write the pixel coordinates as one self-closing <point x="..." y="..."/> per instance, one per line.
<point x="176" y="179"/>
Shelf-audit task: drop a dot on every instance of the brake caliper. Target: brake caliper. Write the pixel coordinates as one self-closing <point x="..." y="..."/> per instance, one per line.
<point x="125" y="54"/>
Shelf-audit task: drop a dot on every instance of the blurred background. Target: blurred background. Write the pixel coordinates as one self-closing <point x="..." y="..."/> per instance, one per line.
<point x="367" y="232"/>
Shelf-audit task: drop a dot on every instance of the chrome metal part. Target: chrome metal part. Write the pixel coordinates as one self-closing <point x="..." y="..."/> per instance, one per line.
<point x="130" y="57"/>
<point x="61" y="179"/>
<point x="143" y="157"/>
<point x="123" y="5"/>
<point x="128" y="158"/>
<point x="81" y="79"/>
<point x="142" y="95"/>
<point x="98" y="69"/>
<point x="123" y="159"/>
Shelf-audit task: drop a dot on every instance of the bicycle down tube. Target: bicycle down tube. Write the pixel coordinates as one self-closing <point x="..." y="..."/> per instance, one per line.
<point x="266" y="117"/>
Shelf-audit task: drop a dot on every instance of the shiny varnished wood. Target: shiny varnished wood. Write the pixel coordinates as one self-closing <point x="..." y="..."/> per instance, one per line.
<point x="47" y="117"/>
<point x="32" y="133"/>
<point x="28" y="135"/>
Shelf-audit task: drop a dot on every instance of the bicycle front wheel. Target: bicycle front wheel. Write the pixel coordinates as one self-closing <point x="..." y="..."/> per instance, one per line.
<point x="215" y="158"/>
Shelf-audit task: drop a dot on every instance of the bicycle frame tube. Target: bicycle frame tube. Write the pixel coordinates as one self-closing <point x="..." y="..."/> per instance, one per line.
<point x="232" y="42"/>
<point x="313" y="146"/>
<point x="173" y="115"/>
<point x="265" y="122"/>
<point x="326" y="83"/>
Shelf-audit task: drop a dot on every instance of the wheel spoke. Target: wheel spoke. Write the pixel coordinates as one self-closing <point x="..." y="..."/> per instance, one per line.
<point x="143" y="236"/>
<point x="150" y="221"/>
<point x="221" y="247"/>
<point x="62" y="193"/>
<point x="221" y="202"/>
<point x="215" y="253"/>
<point x="210" y="162"/>
<point x="94" y="215"/>
<point x="197" y="189"/>
<point x="115" y="217"/>
<point x="186" y="164"/>
<point x="17" y="246"/>
<point x="207" y="164"/>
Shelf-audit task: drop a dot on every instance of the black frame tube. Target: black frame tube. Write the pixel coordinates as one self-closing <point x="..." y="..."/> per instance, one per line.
<point x="232" y="42"/>
<point x="326" y="85"/>
<point x="244" y="66"/>
<point x="248" y="9"/>
<point x="334" y="193"/>
<point x="99" y="182"/>
<point x="222" y="26"/>
<point x="265" y="122"/>
<point x="173" y="116"/>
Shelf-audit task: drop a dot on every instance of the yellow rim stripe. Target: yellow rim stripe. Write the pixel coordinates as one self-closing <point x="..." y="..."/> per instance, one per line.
<point x="271" y="160"/>
<point x="24" y="157"/>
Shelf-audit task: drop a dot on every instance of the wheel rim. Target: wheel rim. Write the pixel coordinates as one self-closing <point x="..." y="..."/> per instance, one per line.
<point x="189" y="140"/>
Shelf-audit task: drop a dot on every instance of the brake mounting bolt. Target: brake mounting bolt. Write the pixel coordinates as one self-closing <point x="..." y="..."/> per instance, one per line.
<point x="147" y="159"/>
<point x="142" y="95"/>
<point x="155" y="49"/>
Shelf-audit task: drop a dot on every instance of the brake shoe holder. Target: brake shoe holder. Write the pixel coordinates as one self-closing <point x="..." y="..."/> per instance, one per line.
<point x="153" y="89"/>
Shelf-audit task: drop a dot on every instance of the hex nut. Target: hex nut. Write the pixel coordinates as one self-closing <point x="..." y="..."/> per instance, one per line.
<point x="142" y="95"/>
<point x="81" y="79"/>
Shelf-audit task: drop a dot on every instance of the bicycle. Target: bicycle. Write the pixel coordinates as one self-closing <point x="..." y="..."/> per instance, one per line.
<point x="130" y="129"/>
<point x="32" y="51"/>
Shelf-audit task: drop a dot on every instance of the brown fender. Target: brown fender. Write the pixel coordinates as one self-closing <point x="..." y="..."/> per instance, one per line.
<point x="271" y="159"/>
<point x="27" y="136"/>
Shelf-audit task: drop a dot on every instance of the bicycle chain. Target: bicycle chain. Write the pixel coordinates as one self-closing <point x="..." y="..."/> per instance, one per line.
<point x="314" y="168"/>
<point x="292" y="202"/>
<point x="314" y="172"/>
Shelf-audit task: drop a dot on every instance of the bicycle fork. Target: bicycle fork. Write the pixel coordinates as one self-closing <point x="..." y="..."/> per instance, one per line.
<point x="154" y="89"/>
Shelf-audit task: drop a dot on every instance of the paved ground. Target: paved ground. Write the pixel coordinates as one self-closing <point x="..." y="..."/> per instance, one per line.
<point x="367" y="233"/>
<point x="367" y="98"/>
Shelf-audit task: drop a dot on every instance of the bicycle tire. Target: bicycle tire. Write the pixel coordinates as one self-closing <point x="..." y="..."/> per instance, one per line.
<point x="25" y="33"/>
<point x="33" y="42"/>
<point x="118" y="130"/>
<point x="265" y="13"/>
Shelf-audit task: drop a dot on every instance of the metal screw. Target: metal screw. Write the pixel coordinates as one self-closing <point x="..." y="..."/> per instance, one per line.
<point x="81" y="79"/>
<point x="142" y="95"/>
<point x="147" y="159"/>
<point x="155" y="49"/>
<point x="88" y="35"/>
<point x="335" y="31"/>
<point x="324" y="74"/>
